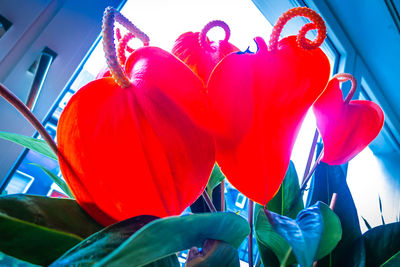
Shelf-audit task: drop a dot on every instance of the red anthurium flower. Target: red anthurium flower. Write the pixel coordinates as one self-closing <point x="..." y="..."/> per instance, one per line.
<point x="129" y="147"/>
<point x="199" y="53"/>
<point x="259" y="100"/>
<point x="346" y="127"/>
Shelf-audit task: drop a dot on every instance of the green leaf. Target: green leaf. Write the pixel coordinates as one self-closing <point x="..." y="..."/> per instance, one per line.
<point x="34" y="144"/>
<point x="156" y="240"/>
<point x="40" y="229"/>
<point x="326" y="181"/>
<point x="393" y="261"/>
<point x="215" y="179"/>
<point x="381" y="243"/>
<point x="303" y="234"/>
<point x="6" y="260"/>
<point x="102" y="243"/>
<point x="60" y="182"/>
<point x="366" y="223"/>
<point x="270" y="243"/>
<point x="332" y="233"/>
<point x="288" y="200"/>
<point x="214" y="253"/>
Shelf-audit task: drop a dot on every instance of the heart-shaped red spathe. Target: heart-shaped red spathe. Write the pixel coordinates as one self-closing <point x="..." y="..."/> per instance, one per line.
<point x="141" y="149"/>
<point x="258" y="102"/>
<point x="346" y="128"/>
<point x="199" y="53"/>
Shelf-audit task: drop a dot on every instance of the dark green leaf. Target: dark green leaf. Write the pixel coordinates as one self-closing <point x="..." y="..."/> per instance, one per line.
<point x="270" y="242"/>
<point x="60" y="182"/>
<point x="40" y="229"/>
<point x="326" y="181"/>
<point x="380" y="209"/>
<point x="34" y="144"/>
<point x="288" y="200"/>
<point x="332" y="231"/>
<point x="158" y="239"/>
<point x="393" y="261"/>
<point x="200" y="205"/>
<point x="214" y="253"/>
<point x="381" y="243"/>
<point x="366" y="223"/>
<point x="215" y="179"/>
<point x="6" y="260"/>
<point x="102" y="243"/>
<point x="303" y="234"/>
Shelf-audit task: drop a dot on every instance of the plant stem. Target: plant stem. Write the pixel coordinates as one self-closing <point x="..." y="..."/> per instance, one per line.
<point x="207" y="199"/>
<point x="222" y="195"/>
<point x="333" y="201"/>
<point x="311" y="155"/>
<point x="24" y="110"/>
<point x="305" y="181"/>
<point x="251" y="208"/>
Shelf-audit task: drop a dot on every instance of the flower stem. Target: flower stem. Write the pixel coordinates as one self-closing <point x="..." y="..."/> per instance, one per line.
<point x="207" y="199"/>
<point x="24" y="110"/>
<point x="251" y="208"/>
<point x="317" y="161"/>
<point x="222" y="195"/>
<point x="311" y="154"/>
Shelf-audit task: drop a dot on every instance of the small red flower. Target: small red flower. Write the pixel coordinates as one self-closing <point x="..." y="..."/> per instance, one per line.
<point x="346" y="127"/>
<point x="199" y="53"/>
<point x="258" y="101"/>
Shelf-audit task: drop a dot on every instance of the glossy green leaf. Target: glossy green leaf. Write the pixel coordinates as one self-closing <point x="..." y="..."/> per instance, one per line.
<point x="332" y="233"/>
<point x="40" y="229"/>
<point x="213" y="253"/>
<point x="326" y="181"/>
<point x="216" y="178"/>
<point x="164" y="237"/>
<point x="34" y="144"/>
<point x="393" y="261"/>
<point x="287" y="202"/>
<point x="303" y="234"/>
<point x="6" y="260"/>
<point x="269" y="241"/>
<point x="102" y="243"/>
<point x="60" y="182"/>
<point x="381" y="243"/>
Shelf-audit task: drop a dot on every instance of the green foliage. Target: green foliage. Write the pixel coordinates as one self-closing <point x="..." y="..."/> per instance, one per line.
<point x="288" y="201"/>
<point x="214" y="253"/>
<point x="102" y="243"/>
<point x="34" y="144"/>
<point x="215" y="179"/>
<point x="393" y="261"/>
<point x="303" y="234"/>
<point x="326" y="181"/>
<point x="381" y="243"/>
<point x="274" y="249"/>
<point x="40" y="229"/>
<point x="60" y="182"/>
<point x="156" y="240"/>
